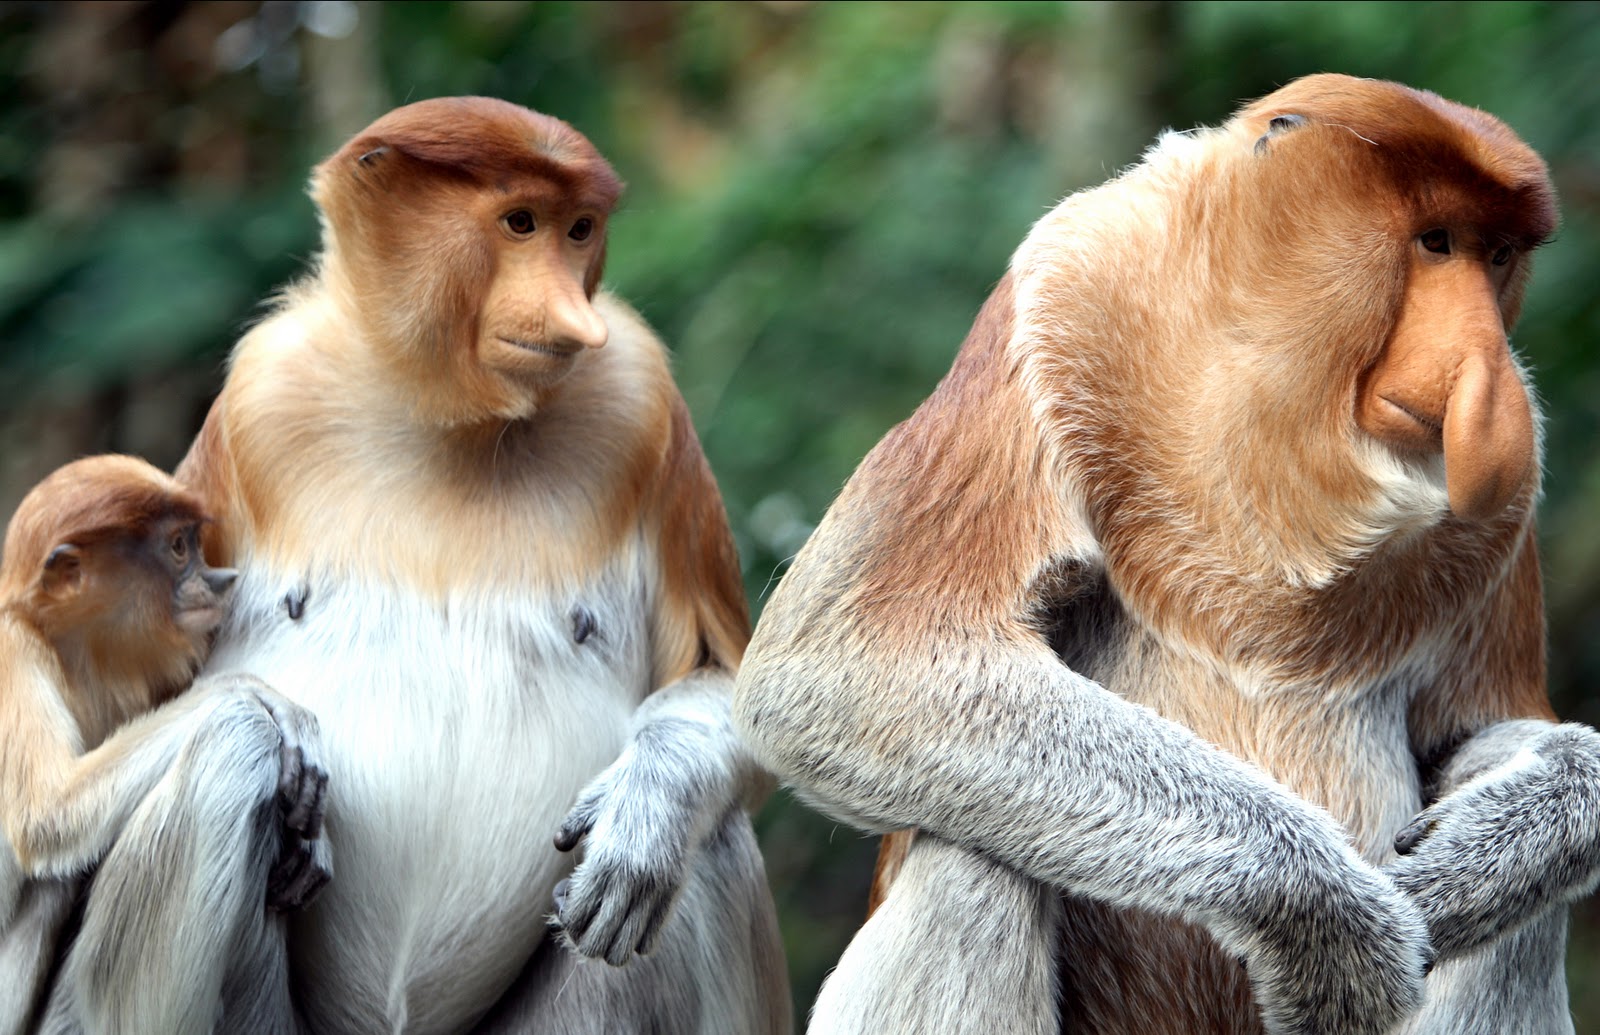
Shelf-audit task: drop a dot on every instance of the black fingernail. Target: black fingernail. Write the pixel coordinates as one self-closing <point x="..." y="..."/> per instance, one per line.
<point x="1410" y="836"/>
<point x="294" y="602"/>
<point x="566" y="840"/>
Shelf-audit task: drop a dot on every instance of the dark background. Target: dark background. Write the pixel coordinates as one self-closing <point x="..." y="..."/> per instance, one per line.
<point x="820" y="197"/>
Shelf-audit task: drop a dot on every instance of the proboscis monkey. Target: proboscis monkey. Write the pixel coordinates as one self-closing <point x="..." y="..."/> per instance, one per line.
<point x="1208" y="567"/>
<point x="477" y="537"/>
<point x="106" y="610"/>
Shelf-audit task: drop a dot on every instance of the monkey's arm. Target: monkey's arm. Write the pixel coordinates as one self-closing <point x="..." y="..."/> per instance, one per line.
<point x="990" y="743"/>
<point x="1514" y="828"/>
<point x="684" y="769"/>
<point x="62" y="809"/>
<point x="1515" y="831"/>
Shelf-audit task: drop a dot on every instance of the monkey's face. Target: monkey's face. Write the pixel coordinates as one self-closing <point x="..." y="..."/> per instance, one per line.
<point x="1418" y="217"/>
<point x="151" y="589"/>
<point x="536" y="315"/>
<point x="141" y="599"/>
<point x="468" y="237"/>
<point x="198" y="593"/>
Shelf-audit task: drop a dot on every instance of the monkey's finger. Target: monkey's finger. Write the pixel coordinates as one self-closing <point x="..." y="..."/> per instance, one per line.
<point x="292" y="860"/>
<point x="290" y="762"/>
<point x="299" y="876"/>
<point x="607" y="938"/>
<point x="652" y="928"/>
<point x="305" y="809"/>
<point x="578" y="823"/>
<point x="1411" y="835"/>
<point x="298" y="892"/>
<point x="582" y="905"/>
<point x="624" y="921"/>
<point x="305" y="887"/>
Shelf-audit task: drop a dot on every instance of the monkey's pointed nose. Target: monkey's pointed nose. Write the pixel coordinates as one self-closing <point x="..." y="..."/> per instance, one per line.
<point x="220" y="580"/>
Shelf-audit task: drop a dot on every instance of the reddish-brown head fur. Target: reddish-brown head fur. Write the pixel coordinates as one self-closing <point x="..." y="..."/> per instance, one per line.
<point x="424" y="213"/>
<point x="1455" y="205"/>
<point x="87" y="503"/>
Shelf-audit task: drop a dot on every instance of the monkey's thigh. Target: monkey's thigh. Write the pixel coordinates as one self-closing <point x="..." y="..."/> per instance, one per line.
<point x="718" y="968"/>
<point x="959" y="945"/>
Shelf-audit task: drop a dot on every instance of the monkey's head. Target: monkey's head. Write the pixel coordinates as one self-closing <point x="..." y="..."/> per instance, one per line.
<point x="1427" y="213"/>
<point x="466" y="236"/>
<point x="104" y="554"/>
<point x="1311" y="339"/>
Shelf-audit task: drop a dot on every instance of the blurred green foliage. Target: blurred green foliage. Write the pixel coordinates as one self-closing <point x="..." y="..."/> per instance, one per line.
<point x="820" y="197"/>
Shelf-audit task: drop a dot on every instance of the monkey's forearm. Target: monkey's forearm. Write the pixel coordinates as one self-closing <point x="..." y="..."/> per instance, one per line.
<point x="70" y="819"/>
<point x="703" y="701"/>
<point x="1046" y="771"/>
<point x="1514" y="832"/>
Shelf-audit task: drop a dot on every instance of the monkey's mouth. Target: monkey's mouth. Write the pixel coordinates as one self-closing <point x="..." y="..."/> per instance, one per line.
<point x="1434" y="429"/>
<point x="537" y="347"/>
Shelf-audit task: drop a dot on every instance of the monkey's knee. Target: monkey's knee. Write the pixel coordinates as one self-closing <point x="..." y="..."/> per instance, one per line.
<point x="960" y="944"/>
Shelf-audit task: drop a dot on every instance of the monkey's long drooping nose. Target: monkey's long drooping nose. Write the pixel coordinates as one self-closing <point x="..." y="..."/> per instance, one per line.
<point x="1446" y="382"/>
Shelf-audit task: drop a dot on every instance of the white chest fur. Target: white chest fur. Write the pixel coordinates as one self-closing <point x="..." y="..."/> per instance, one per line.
<point x="457" y="733"/>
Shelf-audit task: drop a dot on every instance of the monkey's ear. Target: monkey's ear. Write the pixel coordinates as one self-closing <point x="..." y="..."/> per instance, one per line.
<point x="63" y="570"/>
<point x="1279" y="125"/>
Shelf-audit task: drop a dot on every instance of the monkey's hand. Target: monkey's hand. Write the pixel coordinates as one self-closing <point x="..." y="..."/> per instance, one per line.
<point x="1338" y="949"/>
<point x="643" y="820"/>
<point x="305" y="859"/>
<point x="1516" y="831"/>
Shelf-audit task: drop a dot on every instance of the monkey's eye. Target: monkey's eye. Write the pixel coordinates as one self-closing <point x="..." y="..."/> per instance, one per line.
<point x="1502" y="255"/>
<point x="180" y="548"/>
<point x="519" y="222"/>
<point x="581" y="229"/>
<point x="1436" y="240"/>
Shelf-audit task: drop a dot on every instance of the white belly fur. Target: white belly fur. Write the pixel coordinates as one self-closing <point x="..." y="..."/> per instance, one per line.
<point x="456" y="736"/>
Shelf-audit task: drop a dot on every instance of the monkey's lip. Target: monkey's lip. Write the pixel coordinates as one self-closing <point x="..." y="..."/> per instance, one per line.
<point x="1434" y="428"/>
<point x="537" y="347"/>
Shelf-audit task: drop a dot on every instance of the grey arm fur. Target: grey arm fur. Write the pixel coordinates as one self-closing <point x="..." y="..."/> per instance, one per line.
<point x="1055" y="777"/>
